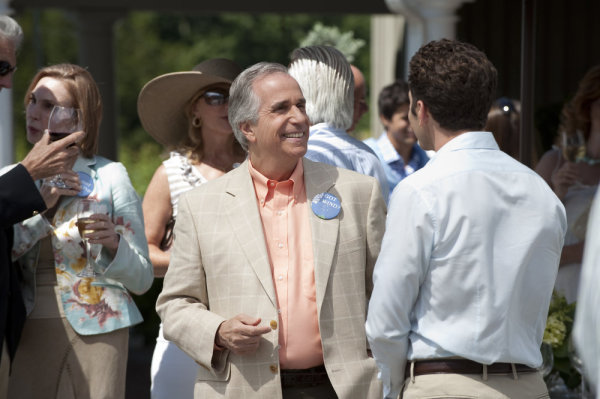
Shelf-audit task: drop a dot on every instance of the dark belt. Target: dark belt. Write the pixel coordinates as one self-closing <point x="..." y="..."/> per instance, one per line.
<point x="462" y="366"/>
<point x="304" y="378"/>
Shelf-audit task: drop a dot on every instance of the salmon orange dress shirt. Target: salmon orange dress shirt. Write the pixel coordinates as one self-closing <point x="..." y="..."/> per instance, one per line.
<point x="284" y="213"/>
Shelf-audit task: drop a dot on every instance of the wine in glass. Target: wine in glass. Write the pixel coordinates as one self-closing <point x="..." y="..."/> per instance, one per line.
<point x="573" y="146"/>
<point x="62" y="122"/>
<point x="85" y="209"/>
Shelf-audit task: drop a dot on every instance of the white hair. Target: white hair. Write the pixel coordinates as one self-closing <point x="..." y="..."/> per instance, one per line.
<point x="325" y="77"/>
<point x="11" y="30"/>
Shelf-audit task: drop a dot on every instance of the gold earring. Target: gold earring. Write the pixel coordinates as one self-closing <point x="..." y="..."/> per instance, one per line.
<point x="196" y="122"/>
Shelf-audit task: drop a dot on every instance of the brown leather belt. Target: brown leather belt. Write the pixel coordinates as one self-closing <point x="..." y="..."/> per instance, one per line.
<point x="304" y="378"/>
<point x="462" y="366"/>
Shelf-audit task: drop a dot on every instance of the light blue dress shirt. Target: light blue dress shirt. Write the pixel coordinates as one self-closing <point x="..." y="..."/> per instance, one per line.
<point x="587" y="317"/>
<point x="393" y="165"/>
<point x="467" y="263"/>
<point x="336" y="147"/>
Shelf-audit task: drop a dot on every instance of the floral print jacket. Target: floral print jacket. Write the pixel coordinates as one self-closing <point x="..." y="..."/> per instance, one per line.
<point x="102" y="303"/>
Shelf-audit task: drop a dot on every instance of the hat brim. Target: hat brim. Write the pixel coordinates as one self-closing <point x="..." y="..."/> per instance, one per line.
<point x="161" y="104"/>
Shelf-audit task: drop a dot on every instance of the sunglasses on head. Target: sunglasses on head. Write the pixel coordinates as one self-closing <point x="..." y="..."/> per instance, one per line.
<point x="213" y="97"/>
<point x="6" y="68"/>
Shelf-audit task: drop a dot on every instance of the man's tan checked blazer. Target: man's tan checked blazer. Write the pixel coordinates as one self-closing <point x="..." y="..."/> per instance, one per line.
<point x="220" y="268"/>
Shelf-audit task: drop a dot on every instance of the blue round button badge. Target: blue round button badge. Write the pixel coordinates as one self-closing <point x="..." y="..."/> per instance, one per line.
<point x="326" y="205"/>
<point x="87" y="184"/>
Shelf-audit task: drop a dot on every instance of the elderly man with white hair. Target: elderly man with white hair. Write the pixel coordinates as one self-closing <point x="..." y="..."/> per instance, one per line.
<point x="325" y="77"/>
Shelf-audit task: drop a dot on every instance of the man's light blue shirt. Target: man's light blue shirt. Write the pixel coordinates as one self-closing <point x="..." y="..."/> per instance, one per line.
<point x="467" y="263"/>
<point x="393" y="165"/>
<point x="336" y="147"/>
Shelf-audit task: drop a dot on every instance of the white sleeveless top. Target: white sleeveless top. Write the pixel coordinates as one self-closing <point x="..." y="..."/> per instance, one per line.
<point x="182" y="176"/>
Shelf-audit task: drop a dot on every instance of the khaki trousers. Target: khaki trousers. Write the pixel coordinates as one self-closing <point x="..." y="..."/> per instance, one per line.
<point x="459" y="386"/>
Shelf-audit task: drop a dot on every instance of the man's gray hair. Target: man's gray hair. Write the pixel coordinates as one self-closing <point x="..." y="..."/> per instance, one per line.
<point x="243" y="102"/>
<point x="11" y="30"/>
<point x="325" y="77"/>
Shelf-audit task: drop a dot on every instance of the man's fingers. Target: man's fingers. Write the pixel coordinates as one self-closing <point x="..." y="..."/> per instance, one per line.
<point x="72" y="138"/>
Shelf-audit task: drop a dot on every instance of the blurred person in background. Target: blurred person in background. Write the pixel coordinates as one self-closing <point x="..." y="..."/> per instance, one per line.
<point x="572" y="169"/>
<point x="397" y="147"/>
<point x="504" y="121"/>
<point x="75" y="338"/>
<point x="186" y="112"/>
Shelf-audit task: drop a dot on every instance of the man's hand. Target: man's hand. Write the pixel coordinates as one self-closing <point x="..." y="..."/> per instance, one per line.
<point x="241" y="335"/>
<point x="51" y="194"/>
<point x="48" y="158"/>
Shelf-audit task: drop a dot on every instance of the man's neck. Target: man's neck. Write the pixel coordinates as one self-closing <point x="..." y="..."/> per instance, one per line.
<point x="442" y="136"/>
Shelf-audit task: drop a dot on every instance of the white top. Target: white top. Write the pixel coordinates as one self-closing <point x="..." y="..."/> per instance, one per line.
<point x="336" y="147"/>
<point x="577" y="204"/>
<point x="182" y="176"/>
<point x="467" y="263"/>
<point x="587" y="317"/>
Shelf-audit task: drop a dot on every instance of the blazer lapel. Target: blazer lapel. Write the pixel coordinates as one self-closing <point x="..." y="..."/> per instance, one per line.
<point x="324" y="232"/>
<point x="247" y="227"/>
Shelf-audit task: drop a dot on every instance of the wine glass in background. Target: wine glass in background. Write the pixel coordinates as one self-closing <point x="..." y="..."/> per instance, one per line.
<point x="573" y="146"/>
<point x="85" y="209"/>
<point x="547" y="359"/>
<point x="577" y="364"/>
<point x="62" y="122"/>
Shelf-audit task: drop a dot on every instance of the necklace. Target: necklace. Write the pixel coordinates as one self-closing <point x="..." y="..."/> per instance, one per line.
<point x="588" y="160"/>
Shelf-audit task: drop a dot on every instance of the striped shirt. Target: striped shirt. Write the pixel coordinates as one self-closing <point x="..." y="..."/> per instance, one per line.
<point x="182" y="176"/>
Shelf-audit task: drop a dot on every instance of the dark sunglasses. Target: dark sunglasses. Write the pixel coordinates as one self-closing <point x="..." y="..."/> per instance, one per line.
<point x="216" y="97"/>
<point x="6" y="68"/>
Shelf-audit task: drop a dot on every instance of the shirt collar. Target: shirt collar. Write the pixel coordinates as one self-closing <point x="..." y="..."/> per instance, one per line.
<point x="469" y="140"/>
<point x="326" y="128"/>
<point x="264" y="186"/>
<point x="388" y="152"/>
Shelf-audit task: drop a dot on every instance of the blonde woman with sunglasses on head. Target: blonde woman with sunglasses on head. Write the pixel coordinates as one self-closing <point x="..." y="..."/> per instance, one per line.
<point x="187" y="113"/>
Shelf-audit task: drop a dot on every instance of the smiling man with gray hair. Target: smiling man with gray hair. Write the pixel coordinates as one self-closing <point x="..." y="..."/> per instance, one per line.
<point x="271" y="264"/>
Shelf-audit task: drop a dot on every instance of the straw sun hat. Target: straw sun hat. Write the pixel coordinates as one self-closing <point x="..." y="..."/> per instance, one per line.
<point x="162" y="101"/>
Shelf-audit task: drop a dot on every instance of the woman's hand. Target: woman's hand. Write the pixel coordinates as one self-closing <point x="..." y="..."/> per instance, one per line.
<point x="51" y="194"/>
<point x="103" y="233"/>
<point x="564" y="177"/>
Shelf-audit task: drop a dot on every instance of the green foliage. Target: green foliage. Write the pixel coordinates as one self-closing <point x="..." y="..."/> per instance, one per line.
<point x="331" y="36"/>
<point x="559" y="325"/>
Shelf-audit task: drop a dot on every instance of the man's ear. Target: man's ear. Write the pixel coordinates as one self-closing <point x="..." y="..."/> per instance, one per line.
<point x="248" y="129"/>
<point x="422" y="113"/>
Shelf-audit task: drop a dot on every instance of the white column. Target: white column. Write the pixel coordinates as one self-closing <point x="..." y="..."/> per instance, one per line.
<point x="427" y="20"/>
<point x="387" y="35"/>
<point x="7" y="150"/>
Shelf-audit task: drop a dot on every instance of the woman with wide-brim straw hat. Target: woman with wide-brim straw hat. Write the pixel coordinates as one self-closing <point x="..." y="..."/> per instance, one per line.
<point x="187" y="113"/>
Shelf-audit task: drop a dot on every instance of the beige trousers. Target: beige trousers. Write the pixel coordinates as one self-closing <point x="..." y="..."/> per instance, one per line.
<point x="53" y="361"/>
<point x="459" y="386"/>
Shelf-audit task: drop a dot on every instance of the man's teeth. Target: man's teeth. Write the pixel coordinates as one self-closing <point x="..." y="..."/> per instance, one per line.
<point x="294" y="135"/>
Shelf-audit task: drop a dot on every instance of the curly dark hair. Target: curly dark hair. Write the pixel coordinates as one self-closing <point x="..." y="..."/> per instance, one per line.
<point x="392" y="97"/>
<point x="576" y="113"/>
<point x="455" y="81"/>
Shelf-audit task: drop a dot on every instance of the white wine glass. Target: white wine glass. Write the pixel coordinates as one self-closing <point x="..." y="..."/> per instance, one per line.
<point x="547" y="359"/>
<point x="573" y="146"/>
<point x="85" y="209"/>
<point x="62" y="122"/>
<point x="577" y="364"/>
